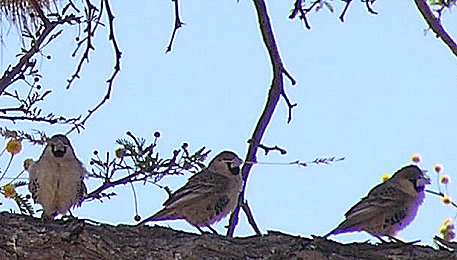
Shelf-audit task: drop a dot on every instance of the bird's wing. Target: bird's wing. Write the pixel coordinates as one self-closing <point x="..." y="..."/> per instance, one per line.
<point x="198" y="186"/>
<point x="33" y="181"/>
<point x="381" y="197"/>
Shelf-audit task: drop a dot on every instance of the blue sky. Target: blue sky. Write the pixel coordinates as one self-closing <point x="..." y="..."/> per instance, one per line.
<point x="374" y="90"/>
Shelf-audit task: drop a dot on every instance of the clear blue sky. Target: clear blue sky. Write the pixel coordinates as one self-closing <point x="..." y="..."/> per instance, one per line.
<point x="374" y="89"/>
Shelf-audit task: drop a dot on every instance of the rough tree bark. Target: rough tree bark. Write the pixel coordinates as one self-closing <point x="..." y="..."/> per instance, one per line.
<point x="24" y="237"/>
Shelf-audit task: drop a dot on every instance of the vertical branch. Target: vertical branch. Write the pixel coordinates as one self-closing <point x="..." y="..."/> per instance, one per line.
<point x="275" y="93"/>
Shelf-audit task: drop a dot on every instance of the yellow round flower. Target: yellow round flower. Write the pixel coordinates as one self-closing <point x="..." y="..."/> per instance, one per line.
<point x="448" y="222"/>
<point x="14" y="146"/>
<point x="447" y="200"/>
<point x="27" y="163"/>
<point x="438" y="168"/>
<point x="443" y="230"/>
<point x="9" y="190"/>
<point x="417" y="158"/>
<point x="445" y="179"/>
<point x="385" y="177"/>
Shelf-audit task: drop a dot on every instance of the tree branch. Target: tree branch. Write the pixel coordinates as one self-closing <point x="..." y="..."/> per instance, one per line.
<point x="435" y="25"/>
<point x="275" y="93"/>
<point x="178" y="24"/>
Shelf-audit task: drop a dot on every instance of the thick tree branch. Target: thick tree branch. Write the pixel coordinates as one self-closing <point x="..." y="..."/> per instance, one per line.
<point x="435" y="25"/>
<point x="23" y="237"/>
<point x="275" y="93"/>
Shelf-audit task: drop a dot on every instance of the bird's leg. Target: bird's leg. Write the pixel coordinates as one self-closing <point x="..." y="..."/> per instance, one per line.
<point x="199" y="229"/>
<point x="70" y="216"/>
<point x="397" y="240"/>
<point x="46" y="217"/>
<point x="212" y="230"/>
<point x="378" y="237"/>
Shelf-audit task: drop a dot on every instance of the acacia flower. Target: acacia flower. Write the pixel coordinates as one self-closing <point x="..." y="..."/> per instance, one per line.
<point x="385" y="177"/>
<point x="447" y="229"/>
<point x="14" y="146"/>
<point x="9" y="191"/>
<point x="447" y="200"/>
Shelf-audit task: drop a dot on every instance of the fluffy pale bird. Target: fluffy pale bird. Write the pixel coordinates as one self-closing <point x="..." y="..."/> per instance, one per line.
<point x="208" y="196"/>
<point x="389" y="207"/>
<point x="56" y="180"/>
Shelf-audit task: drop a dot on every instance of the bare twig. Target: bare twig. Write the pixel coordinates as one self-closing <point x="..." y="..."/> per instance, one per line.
<point x="15" y="73"/>
<point x="275" y="93"/>
<point x="117" y="66"/>
<point x="250" y="216"/>
<point x="268" y="149"/>
<point x="442" y="195"/>
<point x="90" y="11"/>
<point x="178" y="24"/>
<point x="346" y="7"/>
<point x="435" y="25"/>
<point x="299" y="8"/>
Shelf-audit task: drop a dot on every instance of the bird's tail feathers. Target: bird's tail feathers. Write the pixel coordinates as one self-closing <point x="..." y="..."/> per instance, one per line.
<point x="164" y="214"/>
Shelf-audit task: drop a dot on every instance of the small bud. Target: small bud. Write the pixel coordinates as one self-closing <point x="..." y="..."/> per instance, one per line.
<point x="120" y="153"/>
<point x="157" y="134"/>
<point x="417" y="158"/>
<point x="445" y="179"/>
<point x="438" y="168"/>
<point x="95" y="152"/>
<point x="137" y="218"/>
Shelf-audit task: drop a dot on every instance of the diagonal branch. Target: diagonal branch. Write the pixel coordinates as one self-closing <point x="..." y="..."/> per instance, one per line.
<point x="275" y="93"/>
<point x="435" y="25"/>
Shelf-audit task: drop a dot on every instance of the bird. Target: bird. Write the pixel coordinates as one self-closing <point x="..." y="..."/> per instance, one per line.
<point x="56" y="180"/>
<point x="208" y="196"/>
<point x="389" y="207"/>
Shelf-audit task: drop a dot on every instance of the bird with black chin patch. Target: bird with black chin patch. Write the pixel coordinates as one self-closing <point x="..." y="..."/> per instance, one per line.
<point x="56" y="180"/>
<point x="208" y="196"/>
<point x="389" y="207"/>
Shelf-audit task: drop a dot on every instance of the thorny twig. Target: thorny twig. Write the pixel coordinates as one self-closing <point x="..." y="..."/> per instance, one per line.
<point x="138" y="162"/>
<point x="268" y="149"/>
<point x="300" y="7"/>
<point x="117" y="66"/>
<point x="178" y="24"/>
<point x="27" y="66"/>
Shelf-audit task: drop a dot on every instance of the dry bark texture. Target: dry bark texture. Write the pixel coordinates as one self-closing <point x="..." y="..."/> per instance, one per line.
<point x="23" y="237"/>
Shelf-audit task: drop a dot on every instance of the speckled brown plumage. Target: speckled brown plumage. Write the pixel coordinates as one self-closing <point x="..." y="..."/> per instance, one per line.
<point x="389" y="207"/>
<point x="208" y="196"/>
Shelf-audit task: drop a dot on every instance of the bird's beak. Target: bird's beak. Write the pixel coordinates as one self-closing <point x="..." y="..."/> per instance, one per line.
<point x="237" y="162"/>
<point x="424" y="180"/>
